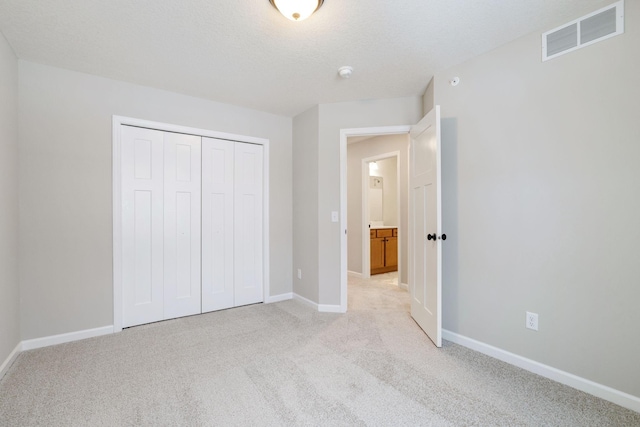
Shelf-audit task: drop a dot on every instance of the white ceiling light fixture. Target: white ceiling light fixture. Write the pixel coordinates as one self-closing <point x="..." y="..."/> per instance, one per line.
<point x="373" y="166"/>
<point x="297" y="10"/>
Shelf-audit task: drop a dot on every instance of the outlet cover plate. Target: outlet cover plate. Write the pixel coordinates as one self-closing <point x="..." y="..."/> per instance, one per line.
<point x="531" y="321"/>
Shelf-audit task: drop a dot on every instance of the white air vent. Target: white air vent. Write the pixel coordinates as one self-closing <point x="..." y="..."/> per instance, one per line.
<point x="597" y="26"/>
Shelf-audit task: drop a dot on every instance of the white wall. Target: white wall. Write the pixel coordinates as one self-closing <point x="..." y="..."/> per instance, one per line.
<point x="541" y="200"/>
<point x="333" y="118"/>
<point x="305" y="203"/>
<point x="427" y="98"/>
<point x="65" y="188"/>
<point x="9" y="290"/>
<point x="388" y="170"/>
<point x="355" y="153"/>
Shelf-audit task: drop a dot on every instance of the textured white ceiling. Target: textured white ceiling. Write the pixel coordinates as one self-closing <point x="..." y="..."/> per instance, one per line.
<point x="245" y="53"/>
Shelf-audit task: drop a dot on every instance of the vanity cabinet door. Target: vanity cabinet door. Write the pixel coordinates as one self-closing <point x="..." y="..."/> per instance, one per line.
<point x="391" y="252"/>
<point x="384" y="250"/>
<point x="377" y="253"/>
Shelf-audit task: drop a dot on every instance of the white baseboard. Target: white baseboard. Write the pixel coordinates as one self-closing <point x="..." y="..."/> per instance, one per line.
<point x="403" y="286"/>
<point x="305" y="301"/>
<point x="602" y="391"/>
<point x="64" y="338"/>
<point x="10" y="359"/>
<point x="354" y="274"/>
<point x="330" y="308"/>
<point x="278" y="298"/>
<point x="323" y="308"/>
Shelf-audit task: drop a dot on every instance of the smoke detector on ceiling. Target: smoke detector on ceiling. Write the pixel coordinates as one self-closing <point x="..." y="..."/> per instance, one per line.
<point x="345" y="72"/>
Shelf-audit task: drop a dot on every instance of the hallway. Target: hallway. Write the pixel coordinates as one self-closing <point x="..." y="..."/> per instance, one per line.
<point x="380" y="292"/>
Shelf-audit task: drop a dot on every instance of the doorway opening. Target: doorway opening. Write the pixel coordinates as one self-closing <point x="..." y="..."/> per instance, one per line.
<point x="364" y="205"/>
<point x="382" y="209"/>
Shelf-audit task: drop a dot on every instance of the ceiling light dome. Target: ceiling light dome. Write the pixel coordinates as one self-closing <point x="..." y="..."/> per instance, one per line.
<point x="297" y="10"/>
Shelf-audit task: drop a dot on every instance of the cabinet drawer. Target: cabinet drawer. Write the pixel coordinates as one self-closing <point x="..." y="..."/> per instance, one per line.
<point x="372" y="234"/>
<point x="387" y="232"/>
<point x="395" y="232"/>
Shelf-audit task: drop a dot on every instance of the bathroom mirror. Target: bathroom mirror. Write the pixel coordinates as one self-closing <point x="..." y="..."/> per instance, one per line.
<point x="383" y="193"/>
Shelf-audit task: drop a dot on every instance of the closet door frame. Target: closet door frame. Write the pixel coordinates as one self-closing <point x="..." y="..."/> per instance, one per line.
<point x="117" y="123"/>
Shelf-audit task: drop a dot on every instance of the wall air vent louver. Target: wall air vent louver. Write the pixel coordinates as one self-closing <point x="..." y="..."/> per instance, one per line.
<point x="592" y="28"/>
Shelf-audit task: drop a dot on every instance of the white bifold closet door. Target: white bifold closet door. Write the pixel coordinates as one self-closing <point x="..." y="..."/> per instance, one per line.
<point x="161" y="187"/>
<point x="142" y="225"/>
<point x="217" y="224"/>
<point x="232" y="229"/>
<point x="182" y="181"/>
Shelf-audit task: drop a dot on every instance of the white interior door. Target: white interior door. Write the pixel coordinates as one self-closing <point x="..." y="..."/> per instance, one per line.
<point x="248" y="256"/>
<point x="425" y="234"/>
<point x="142" y="226"/>
<point x="217" y="224"/>
<point x="182" y="180"/>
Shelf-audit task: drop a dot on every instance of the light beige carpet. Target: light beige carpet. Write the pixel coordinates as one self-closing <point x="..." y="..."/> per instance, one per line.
<point x="285" y="364"/>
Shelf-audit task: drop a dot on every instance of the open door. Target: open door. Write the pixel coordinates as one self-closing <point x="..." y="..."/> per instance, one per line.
<point x="425" y="219"/>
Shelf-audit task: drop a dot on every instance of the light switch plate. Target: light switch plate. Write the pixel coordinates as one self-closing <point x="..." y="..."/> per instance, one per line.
<point x="334" y="216"/>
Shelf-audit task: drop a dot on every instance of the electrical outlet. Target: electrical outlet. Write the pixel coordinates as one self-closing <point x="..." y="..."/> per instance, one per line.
<point x="299" y="273"/>
<point x="532" y="321"/>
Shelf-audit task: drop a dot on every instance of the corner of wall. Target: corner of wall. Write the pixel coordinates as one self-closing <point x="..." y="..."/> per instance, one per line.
<point x="305" y="203"/>
<point x="9" y="203"/>
<point x="428" y="97"/>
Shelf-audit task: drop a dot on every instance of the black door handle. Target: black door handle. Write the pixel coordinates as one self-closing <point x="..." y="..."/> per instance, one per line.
<point x="431" y="236"/>
<point x="444" y="236"/>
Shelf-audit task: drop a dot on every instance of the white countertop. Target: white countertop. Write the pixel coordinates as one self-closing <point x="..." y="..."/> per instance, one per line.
<point x="381" y="227"/>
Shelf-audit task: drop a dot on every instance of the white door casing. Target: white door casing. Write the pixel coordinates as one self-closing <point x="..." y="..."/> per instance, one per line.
<point x="248" y="226"/>
<point x="142" y="219"/>
<point x="217" y="224"/>
<point x="425" y="219"/>
<point x="182" y="195"/>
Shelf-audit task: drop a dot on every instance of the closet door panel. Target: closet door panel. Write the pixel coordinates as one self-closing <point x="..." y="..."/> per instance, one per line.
<point x="248" y="224"/>
<point x="217" y="224"/>
<point x="182" y="186"/>
<point x="142" y="225"/>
